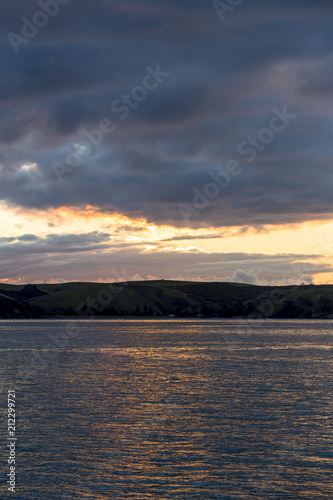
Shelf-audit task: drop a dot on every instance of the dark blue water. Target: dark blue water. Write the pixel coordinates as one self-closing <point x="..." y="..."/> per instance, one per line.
<point x="178" y="409"/>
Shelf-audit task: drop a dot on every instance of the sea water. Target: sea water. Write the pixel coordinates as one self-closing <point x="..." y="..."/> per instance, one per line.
<point x="168" y="409"/>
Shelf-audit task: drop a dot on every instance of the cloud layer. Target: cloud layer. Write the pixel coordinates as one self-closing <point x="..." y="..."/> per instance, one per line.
<point x="224" y="80"/>
<point x="95" y="256"/>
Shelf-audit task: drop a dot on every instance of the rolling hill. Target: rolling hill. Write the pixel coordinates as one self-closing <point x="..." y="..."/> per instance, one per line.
<point x="165" y="298"/>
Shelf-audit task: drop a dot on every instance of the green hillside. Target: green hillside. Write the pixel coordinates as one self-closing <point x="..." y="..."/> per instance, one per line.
<point x="165" y="298"/>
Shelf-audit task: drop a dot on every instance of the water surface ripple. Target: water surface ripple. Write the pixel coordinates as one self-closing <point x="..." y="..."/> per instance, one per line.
<point x="169" y="409"/>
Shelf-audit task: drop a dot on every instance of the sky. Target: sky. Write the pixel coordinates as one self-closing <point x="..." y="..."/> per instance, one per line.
<point x="184" y="139"/>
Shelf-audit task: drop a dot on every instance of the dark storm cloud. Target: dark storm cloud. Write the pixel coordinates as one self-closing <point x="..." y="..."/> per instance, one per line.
<point x="173" y="105"/>
<point x="224" y="79"/>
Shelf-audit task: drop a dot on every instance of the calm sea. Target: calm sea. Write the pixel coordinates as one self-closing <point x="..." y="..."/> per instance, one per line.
<point x="169" y="409"/>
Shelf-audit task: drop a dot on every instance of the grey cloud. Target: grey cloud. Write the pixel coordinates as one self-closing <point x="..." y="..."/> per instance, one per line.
<point x="130" y="229"/>
<point x="73" y="239"/>
<point x="173" y="104"/>
<point x="28" y="237"/>
<point x="7" y="240"/>
<point x="193" y="237"/>
<point x="46" y="260"/>
<point x="224" y="81"/>
<point x="307" y="279"/>
<point x="30" y="246"/>
<point x="241" y="276"/>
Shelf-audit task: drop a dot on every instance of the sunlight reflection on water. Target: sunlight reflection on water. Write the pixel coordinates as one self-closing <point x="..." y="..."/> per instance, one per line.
<point x="171" y="410"/>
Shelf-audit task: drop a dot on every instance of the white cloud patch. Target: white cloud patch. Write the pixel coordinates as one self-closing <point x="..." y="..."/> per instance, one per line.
<point x="306" y="278"/>
<point x="240" y="276"/>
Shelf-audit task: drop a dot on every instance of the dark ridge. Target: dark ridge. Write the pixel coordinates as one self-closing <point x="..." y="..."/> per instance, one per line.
<point x="166" y="298"/>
